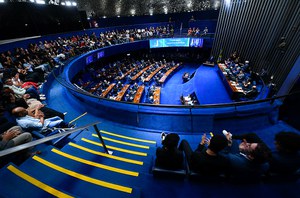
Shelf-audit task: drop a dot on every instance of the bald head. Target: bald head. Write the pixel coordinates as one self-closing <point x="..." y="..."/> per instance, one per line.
<point x="19" y="112"/>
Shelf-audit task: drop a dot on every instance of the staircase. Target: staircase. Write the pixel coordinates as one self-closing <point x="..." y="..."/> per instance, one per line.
<point x="83" y="169"/>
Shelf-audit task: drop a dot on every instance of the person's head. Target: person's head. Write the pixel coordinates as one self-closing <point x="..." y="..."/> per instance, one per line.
<point x="19" y="112"/>
<point x="287" y="142"/>
<point x="8" y="81"/>
<point x="217" y="143"/>
<point x="256" y="152"/>
<point x="171" y="141"/>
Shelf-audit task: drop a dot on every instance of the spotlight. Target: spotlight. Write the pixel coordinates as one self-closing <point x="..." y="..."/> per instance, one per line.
<point x="40" y="2"/>
<point x="68" y="3"/>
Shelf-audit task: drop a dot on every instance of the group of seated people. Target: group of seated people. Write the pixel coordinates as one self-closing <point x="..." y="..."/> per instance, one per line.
<point x="196" y="32"/>
<point x="150" y="93"/>
<point x="23" y="108"/>
<point x="235" y="156"/>
<point x="186" y="77"/>
<point x="241" y="76"/>
<point x="190" y="99"/>
<point x="97" y="77"/>
<point x="38" y="59"/>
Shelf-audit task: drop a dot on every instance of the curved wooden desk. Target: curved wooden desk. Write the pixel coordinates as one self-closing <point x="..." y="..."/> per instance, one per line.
<point x="122" y="92"/>
<point x="138" y="95"/>
<point x="165" y="76"/>
<point x="108" y="89"/>
<point x="156" y="96"/>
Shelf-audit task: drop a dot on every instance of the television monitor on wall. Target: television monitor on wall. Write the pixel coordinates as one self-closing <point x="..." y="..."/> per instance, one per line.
<point x="89" y="59"/>
<point x="196" y="42"/>
<point x="169" y="42"/>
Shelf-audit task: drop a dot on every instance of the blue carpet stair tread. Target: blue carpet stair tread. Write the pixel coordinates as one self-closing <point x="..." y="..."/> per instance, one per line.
<point x="107" y="161"/>
<point x="117" y="151"/>
<point x="71" y="180"/>
<point x="105" y="156"/>
<point x="95" y="170"/>
<point x="60" y="158"/>
<point x="124" y="144"/>
<point x="137" y="138"/>
<point x="17" y="183"/>
<point x="126" y="138"/>
<point x="137" y="151"/>
<point x="114" y="148"/>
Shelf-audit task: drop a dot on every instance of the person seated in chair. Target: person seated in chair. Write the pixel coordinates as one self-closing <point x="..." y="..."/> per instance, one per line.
<point x="13" y="137"/>
<point x="252" y="93"/>
<point x="35" y="120"/>
<point x="10" y="102"/>
<point x="185" y="77"/>
<point x="207" y="160"/>
<point x="247" y="154"/>
<point x="286" y="159"/>
<point x="168" y="156"/>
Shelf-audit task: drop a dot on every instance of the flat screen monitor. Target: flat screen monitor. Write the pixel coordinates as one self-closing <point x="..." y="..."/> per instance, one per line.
<point x="89" y="59"/>
<point x="196" y="42"/>
<point x="169" y="42"/>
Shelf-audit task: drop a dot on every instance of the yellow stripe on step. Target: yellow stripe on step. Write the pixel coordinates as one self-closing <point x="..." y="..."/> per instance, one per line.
<point x="124" y="143"/>
<point x="127" y="137"/>
<point x="106" y="155"/>
<point x="110" y="168"/>
<point x="83" y="177"/>
<point x="114" y="148"/>
<point x="37" y="183"/>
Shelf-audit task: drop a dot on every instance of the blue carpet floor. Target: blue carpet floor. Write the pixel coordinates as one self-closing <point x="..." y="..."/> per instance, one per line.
<point x="206" y="83"/>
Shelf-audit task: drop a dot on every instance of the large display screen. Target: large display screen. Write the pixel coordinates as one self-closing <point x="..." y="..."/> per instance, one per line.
<point x="169" y="42"/>
<point x="176" y="42"/>
<point x="196" y="42"/>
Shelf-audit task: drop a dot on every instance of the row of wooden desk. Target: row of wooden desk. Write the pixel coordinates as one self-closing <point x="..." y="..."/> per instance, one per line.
<point x="93" y="89"/>
<point x="139" y="93"/>
<point x="232" y="87"/>
<point x="126" y="74"/>
<point x="122" y="92"/>
<point x="156" y="96"/>
<point x="165" y="76"/>
<point x="140" y="90"/>
<point x="153" y="73"/>
<point x="107" y="90"/>
<point x="140" y="73"/>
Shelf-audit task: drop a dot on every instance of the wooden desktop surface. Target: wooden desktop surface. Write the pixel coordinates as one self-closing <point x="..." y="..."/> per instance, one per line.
<point x="108" y="89"/>
<point x="122" y="92"/>
<point x="138" y="95"/>
<point x="156" y="96"/>
<point x="163" y="79"/>
<point x="153" y="73"/>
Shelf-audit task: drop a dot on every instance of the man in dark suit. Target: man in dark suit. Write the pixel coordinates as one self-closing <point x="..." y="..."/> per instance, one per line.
<point x="286" y="159"/>
<point x="247" y="155"/>
<point x="168" y="156"/>
<point x="206" y="160"/>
